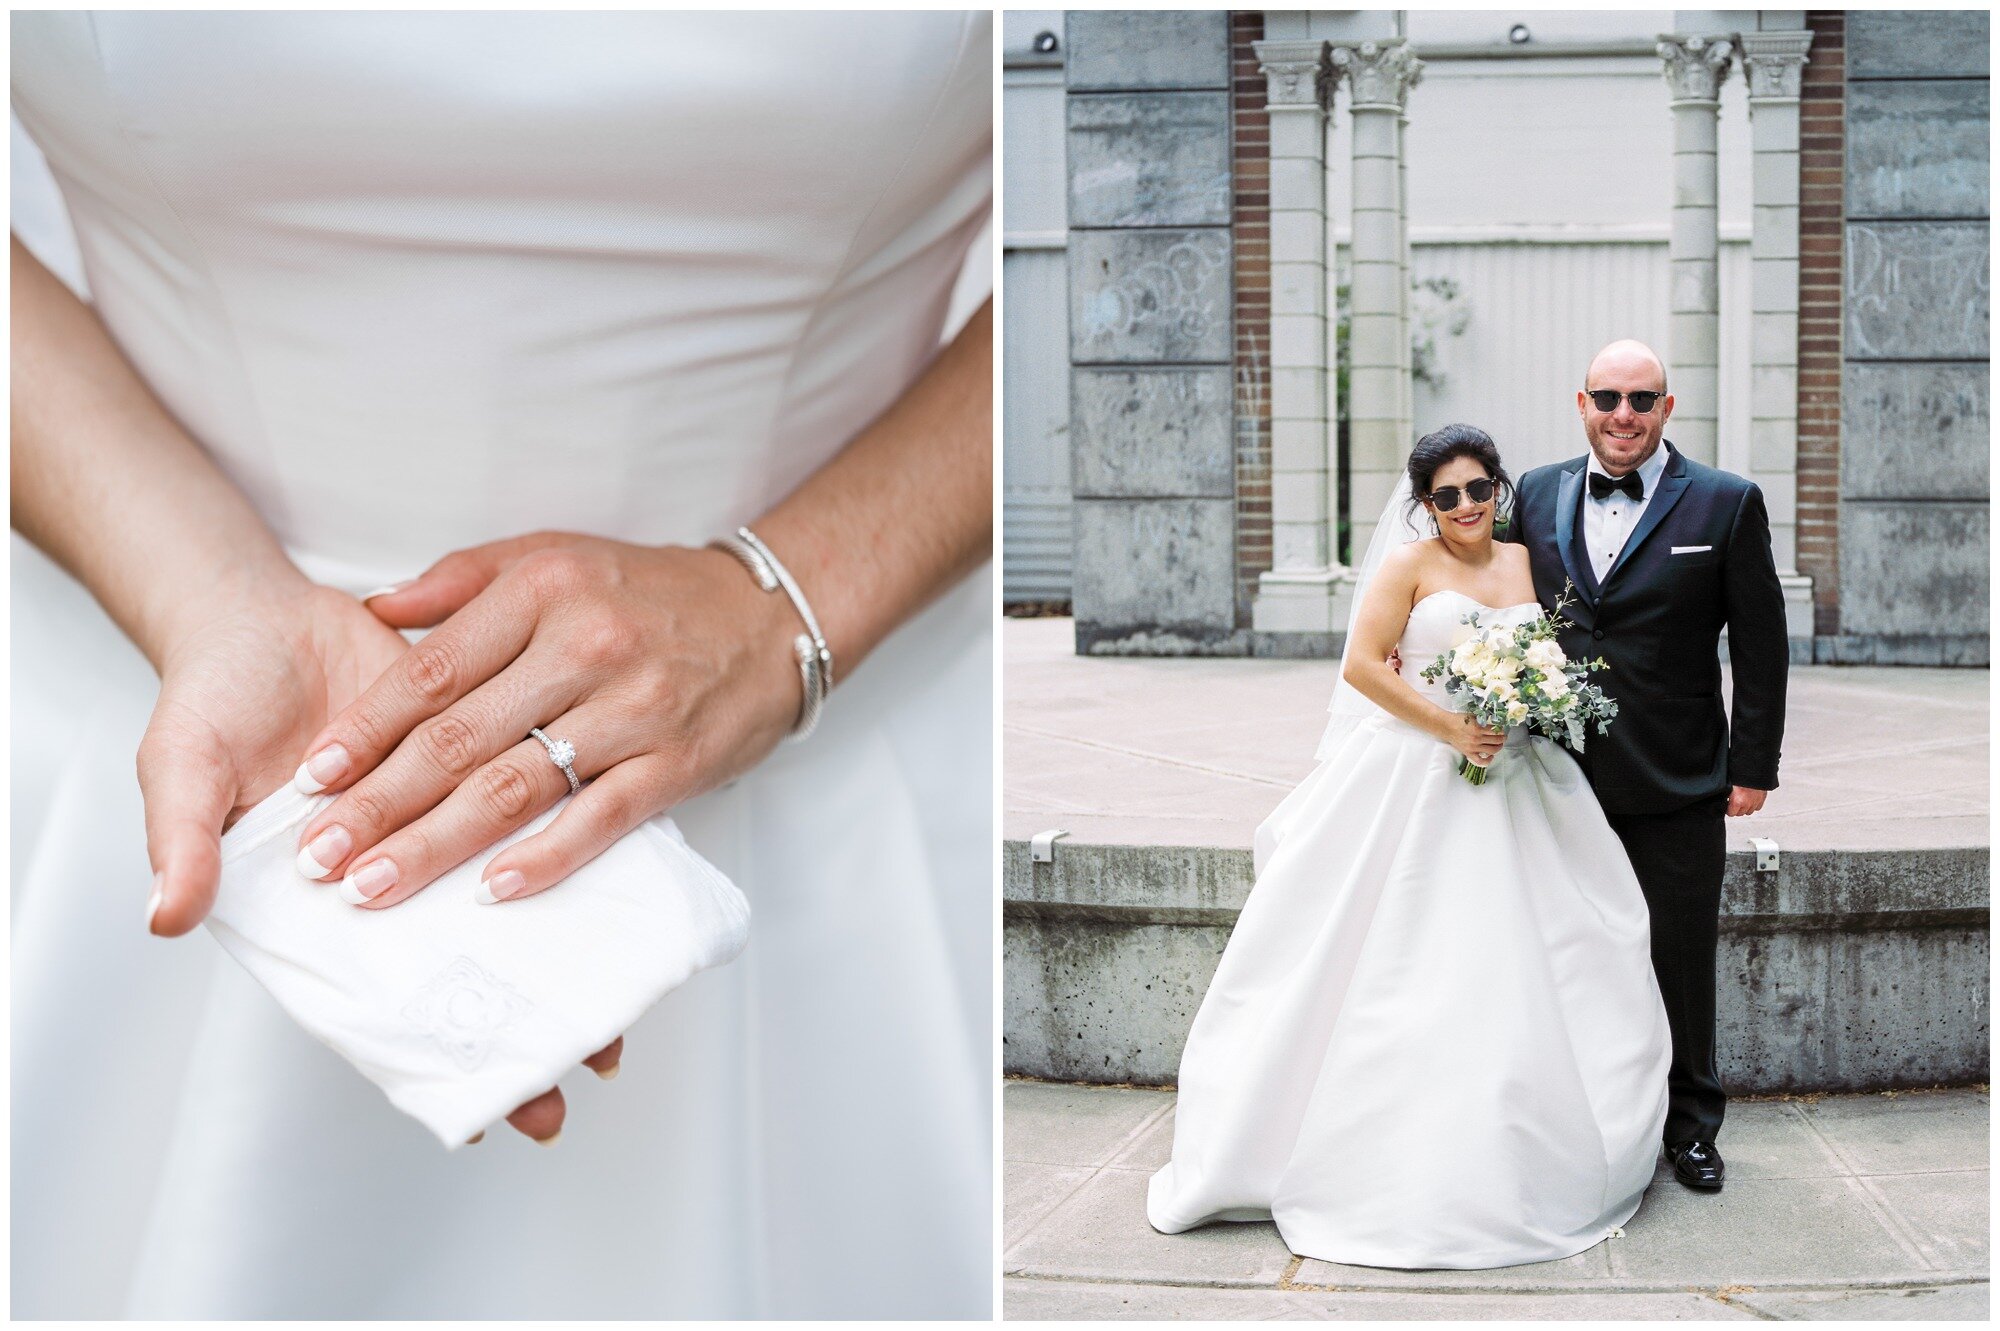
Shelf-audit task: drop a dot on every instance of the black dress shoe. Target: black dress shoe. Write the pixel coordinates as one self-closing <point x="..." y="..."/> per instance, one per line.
<point x="1697" y="1164"/>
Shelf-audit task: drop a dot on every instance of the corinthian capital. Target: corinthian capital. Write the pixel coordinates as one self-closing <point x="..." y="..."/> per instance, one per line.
<point x="1695" y="66"/>
<point x="1296" y="73"/>
<point x="1379" y="73"/>
<point x="1775" y="63"/>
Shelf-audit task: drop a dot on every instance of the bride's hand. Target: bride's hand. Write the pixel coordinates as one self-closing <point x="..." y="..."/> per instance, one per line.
<point x="241" y="692"/>
<point x="667" y="668"/>
<point x="240" y="695"/>
<point x="1478" y="743"/>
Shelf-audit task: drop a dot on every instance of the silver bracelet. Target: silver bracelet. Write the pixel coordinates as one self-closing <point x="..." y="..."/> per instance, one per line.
<point x="814" y="657"/>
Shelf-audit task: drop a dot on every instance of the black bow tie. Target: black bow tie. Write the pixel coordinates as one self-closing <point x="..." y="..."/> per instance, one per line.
<point x="1601" y="485"/>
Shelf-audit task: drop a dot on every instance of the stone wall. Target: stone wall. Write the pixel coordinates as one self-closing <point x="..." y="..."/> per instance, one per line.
<point x="1915" y="420"/>
<point x="1151" y="268"/>
<point x="1841" y="971"/>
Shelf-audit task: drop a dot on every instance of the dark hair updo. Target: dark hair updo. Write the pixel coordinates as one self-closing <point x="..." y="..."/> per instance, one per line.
<point x="1457" y="441"/>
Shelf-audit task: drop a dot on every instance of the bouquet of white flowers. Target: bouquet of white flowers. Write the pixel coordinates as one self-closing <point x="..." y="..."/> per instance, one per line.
<point x="1517" y="675"/>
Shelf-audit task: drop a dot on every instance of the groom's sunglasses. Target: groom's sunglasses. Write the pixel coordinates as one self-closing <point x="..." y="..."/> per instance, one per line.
<point x="1606" y="399"/>
<point x="1445" y="498"/>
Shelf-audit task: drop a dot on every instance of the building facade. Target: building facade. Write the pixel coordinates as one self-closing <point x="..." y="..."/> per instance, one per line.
<point x="1290" y="242"/>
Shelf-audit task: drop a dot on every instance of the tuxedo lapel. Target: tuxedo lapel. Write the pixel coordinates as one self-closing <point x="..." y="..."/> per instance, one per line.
<point x="1569" y="501"/>
<point x="1673" y="484"/>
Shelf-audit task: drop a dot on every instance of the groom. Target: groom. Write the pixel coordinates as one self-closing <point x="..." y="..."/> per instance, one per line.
<point x="1663" y="554"/>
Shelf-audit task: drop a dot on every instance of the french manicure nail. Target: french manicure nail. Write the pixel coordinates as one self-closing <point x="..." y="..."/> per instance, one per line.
<point x="369" y="881"/>
<point x="321" y="770"/>
<point x="500" y="886"/>
<point x="159" y="895"/>
<point x="607" y="1074"/>
<point x="390" y="590"/>
<point x="551" y="1139"/>
<point x="324" y="851"/>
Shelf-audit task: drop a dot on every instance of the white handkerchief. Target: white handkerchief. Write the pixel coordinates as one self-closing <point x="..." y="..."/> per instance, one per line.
<point x="461" y="1011"/>
<point x="1689" y="549"/>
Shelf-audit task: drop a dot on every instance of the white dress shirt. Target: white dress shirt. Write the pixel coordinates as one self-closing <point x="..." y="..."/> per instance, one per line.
<point x="1608" y="521"/>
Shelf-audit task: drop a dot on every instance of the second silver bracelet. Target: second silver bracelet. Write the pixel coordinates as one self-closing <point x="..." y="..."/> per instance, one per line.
<point x="815" y="658"/>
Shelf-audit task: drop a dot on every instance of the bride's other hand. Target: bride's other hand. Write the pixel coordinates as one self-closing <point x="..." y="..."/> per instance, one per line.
<point x="252" y="657"/>
<point x="1478" y="743"/>
<point x="667" y="669"/>
<point x="239" y="693"/>
<point x="1373" y="662"/>
<point x="239" y="696"/>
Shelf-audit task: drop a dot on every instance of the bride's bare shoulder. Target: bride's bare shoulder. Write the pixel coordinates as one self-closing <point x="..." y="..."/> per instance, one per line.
<point x="1411" y="554"/>
<point x="1410" y="561"/>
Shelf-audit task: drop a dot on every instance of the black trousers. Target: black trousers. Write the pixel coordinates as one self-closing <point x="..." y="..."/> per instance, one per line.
<point x="1678" y="857"/>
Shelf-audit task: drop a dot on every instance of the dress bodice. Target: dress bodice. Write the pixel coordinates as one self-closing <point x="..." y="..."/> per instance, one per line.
<point x="1439" y="623"/>
<point x="423" y="280"/>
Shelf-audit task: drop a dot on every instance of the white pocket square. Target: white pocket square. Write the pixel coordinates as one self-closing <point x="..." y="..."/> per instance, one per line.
<point x="1690" y="549"/>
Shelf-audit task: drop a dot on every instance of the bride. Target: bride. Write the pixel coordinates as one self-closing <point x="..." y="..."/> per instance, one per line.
<point x="1435" y="1038"/>
<point x="489" y="323"/>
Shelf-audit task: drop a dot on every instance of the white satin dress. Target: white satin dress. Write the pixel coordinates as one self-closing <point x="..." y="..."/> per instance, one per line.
<point x="1435" y="1039"/>
<point x="421" y="281"/>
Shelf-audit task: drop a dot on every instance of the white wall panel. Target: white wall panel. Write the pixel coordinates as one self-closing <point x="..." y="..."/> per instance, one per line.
<point x="1035" y="400"/>
<point x="1538" y="313"/>
<point x="1034" y="343"/>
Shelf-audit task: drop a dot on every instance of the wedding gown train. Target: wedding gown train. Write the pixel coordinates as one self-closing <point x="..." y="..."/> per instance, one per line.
<point x="1434" y="1039"/>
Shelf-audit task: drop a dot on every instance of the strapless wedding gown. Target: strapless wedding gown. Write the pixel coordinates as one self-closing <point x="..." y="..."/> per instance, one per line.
<point x="420" y="281"/>
<point x="1434" y="1039"/>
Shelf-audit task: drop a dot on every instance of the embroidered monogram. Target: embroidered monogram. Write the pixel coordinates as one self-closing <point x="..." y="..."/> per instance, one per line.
<point x="463" y="1008"/>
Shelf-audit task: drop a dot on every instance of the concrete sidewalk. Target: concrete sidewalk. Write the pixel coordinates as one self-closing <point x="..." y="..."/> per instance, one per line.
<point x="1195" y="752"/>
<point x="1837" y="1207"/>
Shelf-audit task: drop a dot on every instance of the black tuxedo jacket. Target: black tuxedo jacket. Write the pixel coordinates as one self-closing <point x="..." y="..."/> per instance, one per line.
<point x="1656" y="621"/>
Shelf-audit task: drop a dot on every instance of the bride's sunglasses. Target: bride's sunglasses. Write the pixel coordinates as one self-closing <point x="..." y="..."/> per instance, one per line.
<point x="1606" y="400"/>
<point x="1445" y="498"/>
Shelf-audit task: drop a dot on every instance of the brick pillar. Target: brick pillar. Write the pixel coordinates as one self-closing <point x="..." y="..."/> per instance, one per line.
<point x="1251" y="223"/>
<point x="1822" y="157"/>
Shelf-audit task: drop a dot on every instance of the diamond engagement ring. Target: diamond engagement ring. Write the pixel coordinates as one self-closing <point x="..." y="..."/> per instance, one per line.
<point x="562" y="753"/>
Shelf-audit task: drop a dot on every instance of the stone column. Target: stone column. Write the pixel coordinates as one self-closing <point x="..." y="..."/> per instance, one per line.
<point x="1774" y="62"/>
<point x="1380" y="75"/>
<point x="1407" y="415"/>
<point x="1302" y="593"/>
<point x="1695" y="68"/>
<point x="1151" y="346"/>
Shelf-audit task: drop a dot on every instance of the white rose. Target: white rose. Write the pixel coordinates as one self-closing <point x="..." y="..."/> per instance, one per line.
<point x="1505" y="691"/>
<point x="1543" y="654"/>
<point x="1517" y="712"/>
<point x="1507" y="667"/>
<point x="1555" y="685"/>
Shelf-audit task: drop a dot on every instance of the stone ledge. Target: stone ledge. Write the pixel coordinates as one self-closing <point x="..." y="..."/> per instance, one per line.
<point x="1843" y="970"/>
<point x="1828" y="889"/>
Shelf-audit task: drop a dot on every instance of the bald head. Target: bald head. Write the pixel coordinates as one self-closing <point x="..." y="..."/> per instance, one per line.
<point x="1624" y="437"/>
<point x="1625" y="359"/>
